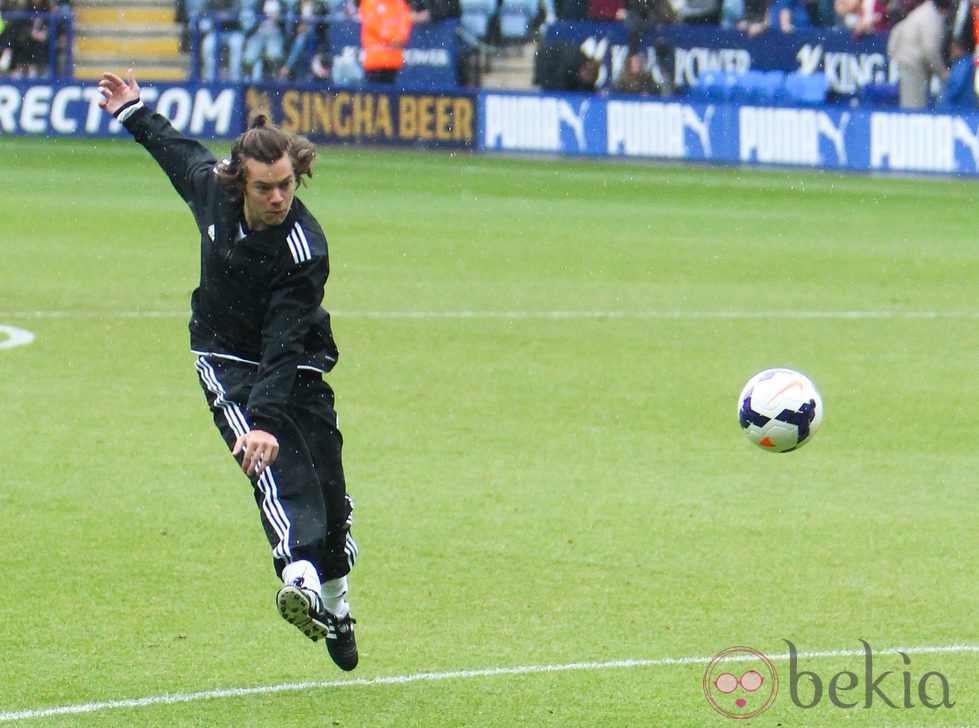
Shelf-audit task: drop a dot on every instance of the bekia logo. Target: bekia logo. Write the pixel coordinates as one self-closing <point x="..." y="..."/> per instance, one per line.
<point x="742" y="683"/>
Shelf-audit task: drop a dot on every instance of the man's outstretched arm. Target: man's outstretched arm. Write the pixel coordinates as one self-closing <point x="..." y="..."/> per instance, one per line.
<point x="187" y="163"/>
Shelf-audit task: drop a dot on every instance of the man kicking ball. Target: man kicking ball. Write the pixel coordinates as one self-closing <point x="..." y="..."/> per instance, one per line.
<point x="263" y="343"/>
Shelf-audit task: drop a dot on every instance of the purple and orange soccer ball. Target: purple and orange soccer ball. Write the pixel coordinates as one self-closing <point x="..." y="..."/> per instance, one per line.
<point x="780" y="410"/>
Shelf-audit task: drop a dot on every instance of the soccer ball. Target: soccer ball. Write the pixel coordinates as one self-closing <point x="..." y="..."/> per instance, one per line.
<point x="780" y="410"/>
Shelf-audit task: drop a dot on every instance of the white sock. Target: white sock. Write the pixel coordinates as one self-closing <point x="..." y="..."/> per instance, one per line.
<point x="334" y="594"/>
<point x="302" y="571"/>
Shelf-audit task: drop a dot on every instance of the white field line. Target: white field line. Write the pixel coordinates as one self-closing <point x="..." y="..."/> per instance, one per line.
<point x="539" y="314"/>
<point x="11" y="336"/>
<point x="174" y="698"/>
<point x="19" y="337"/>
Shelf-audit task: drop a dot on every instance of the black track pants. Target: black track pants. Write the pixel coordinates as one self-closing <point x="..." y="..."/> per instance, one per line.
<point x="302" y="496"/>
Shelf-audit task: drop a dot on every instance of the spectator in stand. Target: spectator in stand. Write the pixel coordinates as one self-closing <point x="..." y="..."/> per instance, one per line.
<point x="915" y="47"/>
<point x="550" y="12"/>
<point x="897" y="10"/>
<point x="732" y="13"/>
<point x="432" y="11"/>
<point x="960" y="89"/>
<point x="435" y="11"/>
<point x="862" y="16"/>
<point x="26" y="39"/>
<point x="641" y="15"/>
<point x="568" y="67"/>
<point x="646" y="72"/>
<point x="963" y="23"/>
<point x="964" y="27"/>
<point x="748" y="16"/>
<point x="822" y="14"/>
<point x="181" y="14"/>
<point x="385" y="26"/>
<point x="6" y="39"/>
<point x="219" y="22"/>
<point x="572" y="9"/>
<point x="310" y="32"/>
<point x="606" y="10"/>
<point x="634" y="78"/>
<point x="787" y="15"/>
<point x="62" y="24"/>
<point x="266" y="42"/>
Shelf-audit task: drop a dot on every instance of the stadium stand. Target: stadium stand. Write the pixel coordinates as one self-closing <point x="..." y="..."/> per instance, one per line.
<point x="516" y="19"/>
<point x="126" y="33"/>
<point x="476" y="16"/>
<point x="507" y="35"/>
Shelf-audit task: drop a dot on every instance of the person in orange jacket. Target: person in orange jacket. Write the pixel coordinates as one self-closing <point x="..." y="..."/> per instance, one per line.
<point x="384" y="30"/>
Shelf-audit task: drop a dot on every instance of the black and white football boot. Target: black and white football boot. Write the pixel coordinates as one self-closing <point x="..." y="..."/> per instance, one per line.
<point x="303" y="608"/>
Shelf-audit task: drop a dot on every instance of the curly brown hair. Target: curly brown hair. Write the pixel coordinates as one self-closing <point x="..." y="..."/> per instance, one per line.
<point x="264" y="142"/>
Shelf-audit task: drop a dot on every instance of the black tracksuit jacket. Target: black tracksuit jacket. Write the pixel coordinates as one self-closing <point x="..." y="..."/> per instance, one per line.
<point x="259" y="297"/>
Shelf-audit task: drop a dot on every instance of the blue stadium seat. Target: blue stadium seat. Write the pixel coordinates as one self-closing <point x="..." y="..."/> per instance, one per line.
<point x="806" y="88"/>
<point x="714" y="86"/>
<point x="757" y="87"/>
<point x="745" y="89"/>
<point x="516" y="18"/>
<point x="476" y="16"/>
<point x="335" y="7"/>
<point x="878" y="94"/>
<point x="750" y="87"/>
<point x="773" y="87"/>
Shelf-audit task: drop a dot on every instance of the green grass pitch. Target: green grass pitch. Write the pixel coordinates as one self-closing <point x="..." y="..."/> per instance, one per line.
<point x="559" y="520"/>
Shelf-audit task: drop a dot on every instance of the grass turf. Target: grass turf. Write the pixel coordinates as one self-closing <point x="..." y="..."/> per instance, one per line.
<point x="537" y="384"/>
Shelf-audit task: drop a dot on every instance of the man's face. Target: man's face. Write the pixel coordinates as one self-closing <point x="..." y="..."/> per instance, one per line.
<point x="269" y="190"/>
<point x="588" y="73"/>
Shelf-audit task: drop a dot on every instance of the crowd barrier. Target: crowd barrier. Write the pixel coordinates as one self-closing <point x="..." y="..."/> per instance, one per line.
<point x="835" y="137"/>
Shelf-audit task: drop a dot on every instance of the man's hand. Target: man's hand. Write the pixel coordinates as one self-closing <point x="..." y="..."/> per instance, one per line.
<point x="117" y="93"/>
<point x="258" y="449"/>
